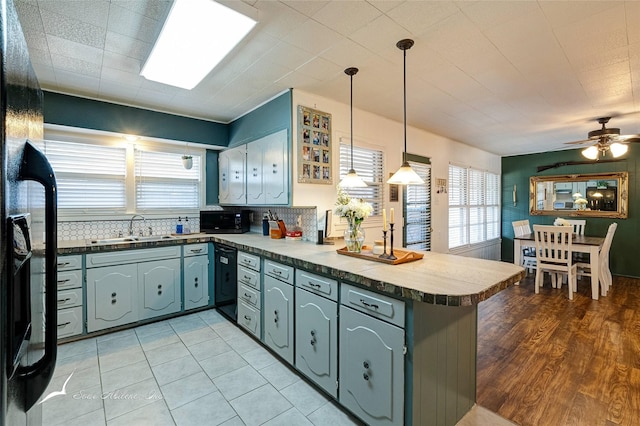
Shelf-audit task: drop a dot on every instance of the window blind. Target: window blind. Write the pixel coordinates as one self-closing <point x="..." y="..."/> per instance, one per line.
<point x="162" y="182"/>
<point x="369" y="165"/>
<point x="474" y="206"/>
<point x="418" y="210"/>
<point x="88" y="176"/>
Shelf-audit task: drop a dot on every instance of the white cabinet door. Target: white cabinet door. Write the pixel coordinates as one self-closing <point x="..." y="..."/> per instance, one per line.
<point x="196" y="281"/>
<point x="371" y="368"/>
<point x="268" y="170"/>
<point x="255" y="175"/>
<point x="232" y="175"/>
<point x="278" y="317"/>
<point x="111" y="296"/>
<point x="159" y="284"/>
<point x="317" y="339"/>
<point x="276" y="168"/>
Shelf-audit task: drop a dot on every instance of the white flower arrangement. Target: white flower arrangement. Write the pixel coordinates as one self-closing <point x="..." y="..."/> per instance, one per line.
<point x="582" y="201"/>
<point x="354" y="210"/>
<point x="561" y="222"/>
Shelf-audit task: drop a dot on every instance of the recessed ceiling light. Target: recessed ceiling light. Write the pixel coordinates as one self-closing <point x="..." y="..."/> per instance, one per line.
<point x="196" y="36"/>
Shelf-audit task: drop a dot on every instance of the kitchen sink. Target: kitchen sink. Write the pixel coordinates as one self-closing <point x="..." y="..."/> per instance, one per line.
<point x="131" y="239"/>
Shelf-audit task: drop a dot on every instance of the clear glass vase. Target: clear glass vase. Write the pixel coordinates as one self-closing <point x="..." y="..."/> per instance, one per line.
<point x="354" y="236"/>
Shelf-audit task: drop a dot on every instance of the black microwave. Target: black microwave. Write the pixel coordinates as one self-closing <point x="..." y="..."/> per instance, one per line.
<point x="221" y="222"/>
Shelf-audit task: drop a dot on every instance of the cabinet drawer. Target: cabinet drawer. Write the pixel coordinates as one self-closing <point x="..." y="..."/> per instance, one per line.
<point x="249" y="260"/>
<point x="69" y="322"/>
<point x="374" y="304"/>
<point x="317" y="284"/>
<point x="69" y="298"/>
<point x="279" y="271"/>
<point x="249" y="318"/>
<point x="249" y="295"/>
<point x="196" y="249"/>
<point x="132" y="256"/>
<point x="69" y="279"/>
<point x="67" y="263"/>
<point x="249" y="277"/>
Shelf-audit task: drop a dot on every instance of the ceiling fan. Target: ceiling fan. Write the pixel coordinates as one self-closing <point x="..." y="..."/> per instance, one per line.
<point x="606" y="139"/>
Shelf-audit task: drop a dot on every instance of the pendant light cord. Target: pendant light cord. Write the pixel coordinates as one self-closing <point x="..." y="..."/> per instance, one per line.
<point x="404" y="83"/>
<point x="351" y="103"/>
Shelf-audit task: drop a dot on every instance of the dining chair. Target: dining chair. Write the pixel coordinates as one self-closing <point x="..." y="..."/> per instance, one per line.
<point x="578" y="225"/>
<point x="554" y="255"/>
<point x="520" y="228"/>
<point x="605" y="278"/>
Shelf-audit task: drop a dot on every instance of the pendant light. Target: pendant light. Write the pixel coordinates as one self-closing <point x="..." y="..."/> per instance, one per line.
<point x="352" y="180"/>
<point x="405" y="174"/>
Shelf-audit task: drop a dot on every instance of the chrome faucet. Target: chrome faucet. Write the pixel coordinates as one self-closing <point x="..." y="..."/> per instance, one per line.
<point x="131" y="224"/>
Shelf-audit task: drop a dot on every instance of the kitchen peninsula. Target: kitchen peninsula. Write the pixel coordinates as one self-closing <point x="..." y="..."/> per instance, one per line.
<point x="431" y="302"/>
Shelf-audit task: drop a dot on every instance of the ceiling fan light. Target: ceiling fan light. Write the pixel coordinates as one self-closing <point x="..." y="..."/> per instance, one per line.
<point x="618" y="149"/>
<point x="352" y="180"/>
<point x="591" y="153"/>
<point x="405" y="176"/>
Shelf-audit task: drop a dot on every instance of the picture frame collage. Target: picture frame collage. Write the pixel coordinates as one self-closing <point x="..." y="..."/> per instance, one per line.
<point x="314" y="146"/>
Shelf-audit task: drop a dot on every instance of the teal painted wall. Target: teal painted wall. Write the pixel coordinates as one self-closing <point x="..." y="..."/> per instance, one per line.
<point x="517" y="170"/>
<point x="211" y="166"/>
<point x="97" y="115"/>
<point x="269" y="118"/>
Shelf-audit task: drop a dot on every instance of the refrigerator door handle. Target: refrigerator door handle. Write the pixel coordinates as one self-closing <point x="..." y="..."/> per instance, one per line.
<point x="36" y="167"/>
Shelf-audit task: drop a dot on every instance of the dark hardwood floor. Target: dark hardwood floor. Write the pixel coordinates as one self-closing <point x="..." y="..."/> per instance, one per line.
<point x="546" y="360"/>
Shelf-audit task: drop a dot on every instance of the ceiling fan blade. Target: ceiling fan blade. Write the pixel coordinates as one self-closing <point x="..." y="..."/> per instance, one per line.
<point x="628" y="138"/>
<point x="580" y="142"/>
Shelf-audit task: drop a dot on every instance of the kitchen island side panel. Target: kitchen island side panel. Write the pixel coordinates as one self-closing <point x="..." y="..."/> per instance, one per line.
<point x="444" y="363"/>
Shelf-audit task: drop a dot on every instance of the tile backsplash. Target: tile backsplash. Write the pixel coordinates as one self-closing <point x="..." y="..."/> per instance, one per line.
<point x="94" y="229"/>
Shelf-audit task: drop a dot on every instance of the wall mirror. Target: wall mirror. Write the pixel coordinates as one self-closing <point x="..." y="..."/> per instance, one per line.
<point x="590" y="195"/>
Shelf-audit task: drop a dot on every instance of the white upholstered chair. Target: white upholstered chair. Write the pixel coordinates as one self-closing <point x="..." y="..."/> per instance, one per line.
<point x="605" y="277"/>
<point x="520" y="228"/>
<point x="554" y="255"/>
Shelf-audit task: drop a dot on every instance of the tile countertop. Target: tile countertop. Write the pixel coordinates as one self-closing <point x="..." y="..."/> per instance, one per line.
<point x="442" y="279"/>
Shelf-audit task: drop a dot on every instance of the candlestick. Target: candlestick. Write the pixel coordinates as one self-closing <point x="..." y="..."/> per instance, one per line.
<point x="384" y="220"/>
<point x="384" y="254"/>
<point x="391" y="256"/>
<point x="393" y="217"/>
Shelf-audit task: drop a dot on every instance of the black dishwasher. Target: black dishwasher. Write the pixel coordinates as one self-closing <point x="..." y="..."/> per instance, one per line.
<point x="226" y="290"/>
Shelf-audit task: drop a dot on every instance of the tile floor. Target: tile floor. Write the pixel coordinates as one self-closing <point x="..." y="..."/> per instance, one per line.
<point x="198" y="369"/>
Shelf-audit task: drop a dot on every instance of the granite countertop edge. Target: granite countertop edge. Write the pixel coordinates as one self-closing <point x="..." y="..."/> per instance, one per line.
<point x="305" y="260"/>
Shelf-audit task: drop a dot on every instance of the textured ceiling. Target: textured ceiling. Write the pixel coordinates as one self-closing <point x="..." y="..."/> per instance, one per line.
<point x="510" y="77"/>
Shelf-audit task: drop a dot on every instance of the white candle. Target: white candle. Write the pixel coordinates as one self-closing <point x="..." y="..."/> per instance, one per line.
<point x="384" y="219"/>
<point x="392" y="219"/>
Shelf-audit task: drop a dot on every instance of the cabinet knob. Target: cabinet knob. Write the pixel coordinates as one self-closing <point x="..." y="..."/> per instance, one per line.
<point x="196" y="285"/>
<point x="159" y="292"/>
<point x="247" y="317"/>
<point x="313" y="332"/>
<point x="313" y="342"/>
<point x="113" y="301"/>
<point x="113" y="294"/>
<point x="159" y="286"/>
<point x="365" y="376"/>
<point x="365" y="364"/>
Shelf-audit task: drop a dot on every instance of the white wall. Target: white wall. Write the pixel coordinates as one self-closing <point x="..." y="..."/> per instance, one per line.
<point x="376" y="131"/>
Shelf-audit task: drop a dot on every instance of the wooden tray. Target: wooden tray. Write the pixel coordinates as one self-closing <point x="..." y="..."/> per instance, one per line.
<point x="403" y="256"/>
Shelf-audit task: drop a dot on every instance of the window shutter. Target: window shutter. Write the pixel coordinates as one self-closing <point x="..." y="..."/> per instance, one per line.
<point x="418" y="209"/>
<point x="368" y="163"/>
<point x="88" y="176"/>
<point x="162" y="182"/>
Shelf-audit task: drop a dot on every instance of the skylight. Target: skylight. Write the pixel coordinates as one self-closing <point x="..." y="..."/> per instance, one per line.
<point x="196" y="36"/>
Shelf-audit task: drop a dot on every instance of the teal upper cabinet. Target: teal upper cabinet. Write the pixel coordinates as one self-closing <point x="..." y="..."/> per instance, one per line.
<point x="256" y="173"/>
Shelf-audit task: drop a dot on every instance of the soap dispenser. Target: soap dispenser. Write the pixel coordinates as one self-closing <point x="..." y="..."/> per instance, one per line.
<point x="186" y="229"/>
<point x="179" y="226"/>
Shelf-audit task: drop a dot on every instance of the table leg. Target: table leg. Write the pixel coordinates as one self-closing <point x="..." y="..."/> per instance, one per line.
<point x="594" y="263"/>
<point x="517" y="254"/>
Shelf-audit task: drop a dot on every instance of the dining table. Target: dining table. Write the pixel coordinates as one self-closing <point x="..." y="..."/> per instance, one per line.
<point x="579" y="244"/>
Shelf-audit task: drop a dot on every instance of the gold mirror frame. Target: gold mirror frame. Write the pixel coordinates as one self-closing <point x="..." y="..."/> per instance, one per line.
<point x="546" y="194"/>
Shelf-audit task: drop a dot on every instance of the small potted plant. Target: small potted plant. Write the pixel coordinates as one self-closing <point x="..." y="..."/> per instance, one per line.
<point x="602" y="184"/>
<point x="187" y="161"/>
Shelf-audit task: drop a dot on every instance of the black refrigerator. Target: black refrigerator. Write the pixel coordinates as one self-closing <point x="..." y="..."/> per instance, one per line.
<point x="28" y="316"/>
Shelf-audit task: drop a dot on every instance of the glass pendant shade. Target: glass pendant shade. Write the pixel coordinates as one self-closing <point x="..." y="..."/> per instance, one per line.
<point x="405" y="174"/>
<point x="591" y="153"/>
<point x="618" y="149"/>
<point x="352" y="180"/>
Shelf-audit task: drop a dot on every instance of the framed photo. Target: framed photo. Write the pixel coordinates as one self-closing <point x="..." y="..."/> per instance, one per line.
<point x="314" y="146"/>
